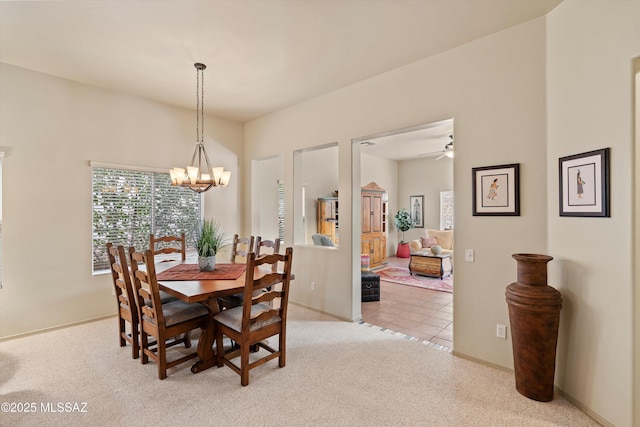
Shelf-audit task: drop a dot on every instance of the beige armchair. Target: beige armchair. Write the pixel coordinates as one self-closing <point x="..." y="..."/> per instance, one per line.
<point x="443" y="238"/>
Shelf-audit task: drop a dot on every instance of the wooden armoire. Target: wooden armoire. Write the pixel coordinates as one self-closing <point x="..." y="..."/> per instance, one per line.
<point x="374" y="224"/>
<point x="328" y="218"/>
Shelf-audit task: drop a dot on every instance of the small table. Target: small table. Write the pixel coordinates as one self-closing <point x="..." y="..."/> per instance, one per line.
<point x="431" y="265"/>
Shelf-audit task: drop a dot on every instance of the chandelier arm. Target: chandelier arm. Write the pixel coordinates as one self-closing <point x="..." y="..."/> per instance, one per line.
<point x="196" y="152"/>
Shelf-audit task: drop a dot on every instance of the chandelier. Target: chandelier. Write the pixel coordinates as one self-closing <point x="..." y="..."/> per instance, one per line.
<point x="200" y="176"/>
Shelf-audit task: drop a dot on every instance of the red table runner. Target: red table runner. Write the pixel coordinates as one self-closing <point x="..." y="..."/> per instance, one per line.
<point x="192" y="272"/>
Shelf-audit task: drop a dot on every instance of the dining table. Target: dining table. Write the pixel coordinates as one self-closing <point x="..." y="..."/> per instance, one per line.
<point x="187" y="285"/>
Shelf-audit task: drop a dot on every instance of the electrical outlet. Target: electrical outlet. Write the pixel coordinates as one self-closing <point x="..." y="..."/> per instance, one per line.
<point x="501" y="331"/>
<point x="313" y="286"/>
<point x="468" y="255"/>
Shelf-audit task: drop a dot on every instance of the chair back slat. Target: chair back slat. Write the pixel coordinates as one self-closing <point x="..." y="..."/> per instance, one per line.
<point x="266" y="296"/>
<point x="165" y="251"/>
<point x="264" y="316"/>
<point x="261" y="244"/>
<point x="268" y="280"/>
<point x="168" y="245"/>
<point x="149" y="313"/>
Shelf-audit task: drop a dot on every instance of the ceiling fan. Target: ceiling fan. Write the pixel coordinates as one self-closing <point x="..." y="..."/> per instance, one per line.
<point x="447" y="152"/>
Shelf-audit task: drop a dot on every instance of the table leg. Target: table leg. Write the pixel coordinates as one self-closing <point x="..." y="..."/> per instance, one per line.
<point x="207" y="339"/>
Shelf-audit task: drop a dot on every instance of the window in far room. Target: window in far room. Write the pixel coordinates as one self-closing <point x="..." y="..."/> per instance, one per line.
<point x="446" y="210"/>
<point x="267" y="198"/>
<point x="281" y="210"/>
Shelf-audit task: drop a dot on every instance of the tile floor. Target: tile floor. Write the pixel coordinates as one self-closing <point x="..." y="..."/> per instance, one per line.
<point x="421" y="313"/>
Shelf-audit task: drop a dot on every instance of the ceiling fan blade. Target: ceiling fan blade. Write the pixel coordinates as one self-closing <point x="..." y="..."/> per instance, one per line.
<point x="433" y="153"/>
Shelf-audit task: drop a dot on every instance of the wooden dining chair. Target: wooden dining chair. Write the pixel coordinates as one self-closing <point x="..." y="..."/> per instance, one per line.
<point x="168" y="245"/>
<point x="257" y="320"/>
<point x="127" y="307"/>
<point x="162" y="321"/>
<point x="240" y="248"/>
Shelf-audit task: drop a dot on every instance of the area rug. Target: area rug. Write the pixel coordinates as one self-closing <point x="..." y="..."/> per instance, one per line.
<point x="403" y="276"/>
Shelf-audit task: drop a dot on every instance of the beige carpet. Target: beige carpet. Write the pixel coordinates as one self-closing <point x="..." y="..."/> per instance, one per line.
<point x="337" y="374"/>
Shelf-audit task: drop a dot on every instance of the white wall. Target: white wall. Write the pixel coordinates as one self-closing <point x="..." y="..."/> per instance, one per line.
<point x="591" y="46"/>
<point x="499" y="119"/>
<point x="50" y="129"/>
<point x="266" y="174"/>
<point x="496" y="90"/>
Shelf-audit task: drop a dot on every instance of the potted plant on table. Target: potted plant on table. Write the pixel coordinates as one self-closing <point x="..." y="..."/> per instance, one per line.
<point x="209" y="238"/>
<point x="403" y="222"/>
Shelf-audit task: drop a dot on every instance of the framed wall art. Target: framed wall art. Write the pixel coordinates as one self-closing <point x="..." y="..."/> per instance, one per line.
<point x="496" y="190"/>
<point x="416" y="205"/>
<point x="584" y="184"/>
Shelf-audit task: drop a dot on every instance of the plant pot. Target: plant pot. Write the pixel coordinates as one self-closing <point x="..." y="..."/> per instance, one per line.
<point x="207" y="263"/>
<point x="404" y="250"/>
<point x="534" y="316"/>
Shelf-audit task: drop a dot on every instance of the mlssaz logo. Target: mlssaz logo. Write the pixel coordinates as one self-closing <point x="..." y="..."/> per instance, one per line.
<point x="63" y="407"/>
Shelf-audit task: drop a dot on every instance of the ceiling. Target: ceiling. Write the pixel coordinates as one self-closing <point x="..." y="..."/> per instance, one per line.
<point x="261" y="55"/>
<point x="426" y="140"/>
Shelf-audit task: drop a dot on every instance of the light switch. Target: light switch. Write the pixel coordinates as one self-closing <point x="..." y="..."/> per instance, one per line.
<point x="468" y="255"/>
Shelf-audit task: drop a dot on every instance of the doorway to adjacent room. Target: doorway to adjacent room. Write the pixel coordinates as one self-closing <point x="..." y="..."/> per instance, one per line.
<point x="412" y="164"/>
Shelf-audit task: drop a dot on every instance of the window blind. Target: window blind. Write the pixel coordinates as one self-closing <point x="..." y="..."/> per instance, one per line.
<point x="281" y="210"/>
<point x="128" y="205"/>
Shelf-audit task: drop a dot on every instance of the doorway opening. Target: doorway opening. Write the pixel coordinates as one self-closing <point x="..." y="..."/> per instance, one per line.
<point x="414" y="167"/>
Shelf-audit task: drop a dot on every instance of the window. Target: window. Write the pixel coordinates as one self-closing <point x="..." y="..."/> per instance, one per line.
<point x="128" y="205"/>
<point x="281" y="210"/>
<point x="267" y="197"/>
<point x="446" y="210"/>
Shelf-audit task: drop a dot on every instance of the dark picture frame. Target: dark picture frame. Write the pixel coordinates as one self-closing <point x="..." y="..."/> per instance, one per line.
<point x="416" y="210"/>
<point x="584" y="184"/>
<point x="496" y="190"/>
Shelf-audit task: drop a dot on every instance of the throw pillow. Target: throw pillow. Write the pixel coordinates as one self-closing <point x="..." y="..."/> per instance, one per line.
<point x="427" y="242"/>
<point x="445" y="237"/>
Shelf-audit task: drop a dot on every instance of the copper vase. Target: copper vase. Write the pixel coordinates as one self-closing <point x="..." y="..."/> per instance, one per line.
<point x="534" y="315"/>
